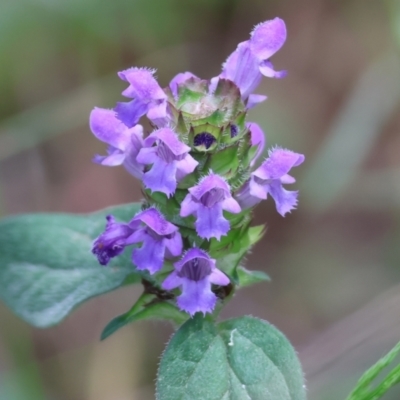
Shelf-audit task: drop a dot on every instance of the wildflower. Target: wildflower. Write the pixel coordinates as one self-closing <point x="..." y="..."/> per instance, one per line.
<point x="250" y="61"/>
<point x="159" y="239"/>
<point x="195" y="273"/>
<point x="170" y="161"/>
<point x="269" y="178"/>
<point x="124" y="143"/>
<point x="148" y="98"/>
<point x="112" y="241"/>
<point x="207" y="200"/>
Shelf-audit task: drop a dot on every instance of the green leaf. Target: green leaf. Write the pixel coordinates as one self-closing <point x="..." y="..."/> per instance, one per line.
<point x="242" y="358"/>
<point x="46" y="264"/>
<point x="148" y="306"/>
<point x="363" y="390"/>
<point x="247" y="277"/>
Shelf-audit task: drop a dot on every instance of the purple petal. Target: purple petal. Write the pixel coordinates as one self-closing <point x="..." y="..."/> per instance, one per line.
<point x="257" y="139"/>
<point x="116" y="157"/>
<point x="178" y="80"/>
<point x="246" y="199"/>
<point x="172" y="281"/>
<point x="254" y="100"/>
<point x="267" y="38"/>
<point x="142" y="85"/>
<point x="139" y="235"/>
<point x="130" y="113"/>
<point x="287" y="179"/>
<point x="242" y="68"/>
<point x="131" y="164"/>
<point x="147" y="155"/>
<point x="188" y="206"/>
<point x="258" y="190"/>
<point x="279" y="163"/>
<point x="161" y="177"/>
<point x="231" y="205"/>
<point x="156" y="221"/>
<point x="209" y="182"/>
<point x="217" y="277"/>
<point x="211" y="222"/>
<point x="107" y="128"/>
<point x="174" y="245"/>
<point x="150" y="256"/>
<point x="196" y="297"/>
<point x="158" y="113"/>
<point x="267" y="69"/>
<point x="170" y="139"/>
<point x="285" y="200"/>
<point x="185" y="167"/>
<point x="191" y="254"/>
<point x="112" y="241"/>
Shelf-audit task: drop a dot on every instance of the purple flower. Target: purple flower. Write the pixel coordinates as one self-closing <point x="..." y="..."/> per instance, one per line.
<point x="148" y="98"/>
<point x="170" y="161"/>
<point x="159" y="239"/>
<point x="257" y="139"/>
<point x="112" y="241"/>
<point x="177" y="80"/>
<point x="269" y="178"/>
<point x="207" y="200"/>
<point x="250" y="61"/>
<point x="124" y="143"/>
<point x="195" y="273"/>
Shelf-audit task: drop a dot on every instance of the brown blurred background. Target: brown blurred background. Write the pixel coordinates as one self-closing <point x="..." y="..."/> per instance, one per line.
<point x="334" y="262"/>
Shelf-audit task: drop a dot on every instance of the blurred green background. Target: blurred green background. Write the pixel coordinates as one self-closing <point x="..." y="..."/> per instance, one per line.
<point x="334" y="262"/>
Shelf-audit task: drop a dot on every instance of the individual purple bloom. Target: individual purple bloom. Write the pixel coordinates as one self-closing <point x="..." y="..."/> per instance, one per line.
<point x="207" y="200"/>
<point x="250" y="61"/>
<point x="148" y="98"/>
<point x="195" y="273"/>
<point x="112" y="241"/>
<point x="124" y="143"/>
<point x="269" y="178"/>
<point x="257" y="138"/>
<point x="159" y="239"/>
<point x="179" y="79"/>
<point x="170" y="161"/>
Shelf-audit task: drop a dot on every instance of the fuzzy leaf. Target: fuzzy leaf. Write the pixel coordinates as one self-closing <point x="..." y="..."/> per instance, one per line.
<point x="46" y="264"/>
<point x="242" y="358"/>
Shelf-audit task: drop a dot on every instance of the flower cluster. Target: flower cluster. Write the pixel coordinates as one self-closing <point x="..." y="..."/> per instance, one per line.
<point x="197" y="168"/>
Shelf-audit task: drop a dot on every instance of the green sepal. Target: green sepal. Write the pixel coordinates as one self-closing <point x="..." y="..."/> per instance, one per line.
<point x="213" y="130"/>
<point x="148" y="306"/>
<point x="224" y="162"/>
<point x="229" y="99"/>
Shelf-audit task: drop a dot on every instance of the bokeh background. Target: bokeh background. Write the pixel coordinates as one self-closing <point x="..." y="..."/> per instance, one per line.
<point x="334" y="262"/>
